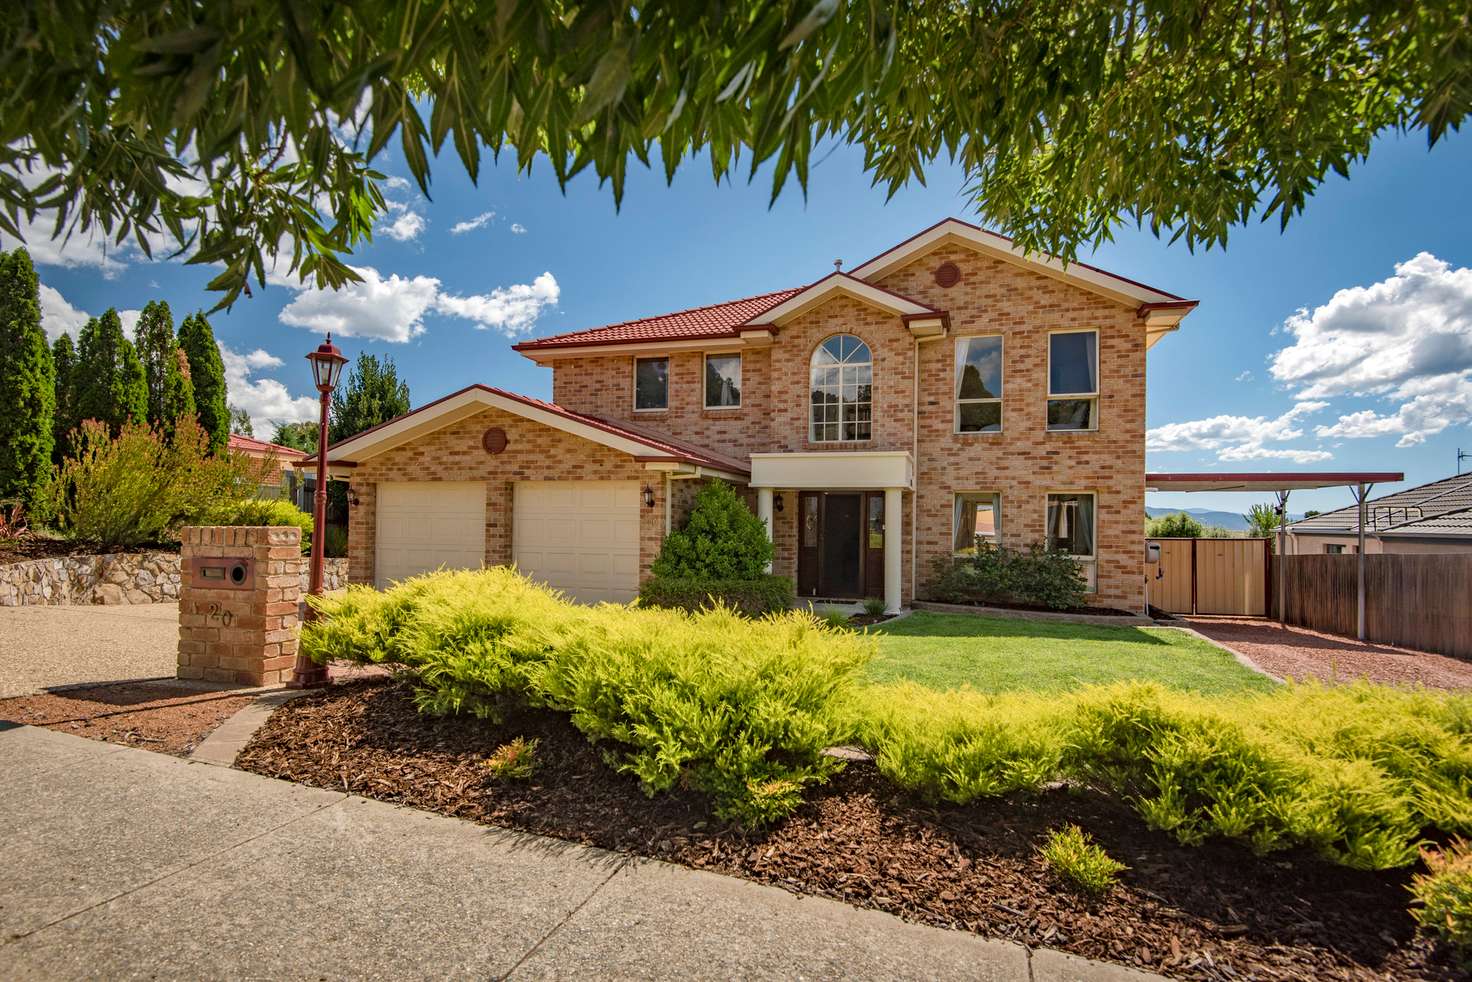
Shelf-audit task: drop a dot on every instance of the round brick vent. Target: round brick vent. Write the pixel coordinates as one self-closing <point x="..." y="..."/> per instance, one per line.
<point x="947" y="275"/>
<point x="494" y="440"/>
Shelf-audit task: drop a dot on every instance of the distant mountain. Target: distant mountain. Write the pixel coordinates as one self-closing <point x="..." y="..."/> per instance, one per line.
<point x="1230" y="520"/>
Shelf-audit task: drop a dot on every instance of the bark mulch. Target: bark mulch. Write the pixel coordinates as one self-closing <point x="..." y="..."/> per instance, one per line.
<point x="1215" y="912"/>
<point x="1299" y="653"/>
<point x="158" y="716"/>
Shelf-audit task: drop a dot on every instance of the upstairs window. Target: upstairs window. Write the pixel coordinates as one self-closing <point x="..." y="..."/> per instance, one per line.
<point x="722" y="381"/>
<point x="1073" y="380"/>
<point x="651" y="384"/>
<point x="979" y="385"/>
<point x="842" y="386"/>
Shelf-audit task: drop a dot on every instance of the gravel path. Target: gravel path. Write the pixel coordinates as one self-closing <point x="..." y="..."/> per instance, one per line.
<point x="41" y="647"/>
<point x="1299" y="653"/>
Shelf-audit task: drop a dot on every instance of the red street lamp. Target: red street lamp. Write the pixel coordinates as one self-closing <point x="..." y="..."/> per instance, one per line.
<point x="327" y="362"/>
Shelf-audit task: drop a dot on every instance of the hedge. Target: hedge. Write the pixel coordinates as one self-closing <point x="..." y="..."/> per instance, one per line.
<point x="753" y="598"/>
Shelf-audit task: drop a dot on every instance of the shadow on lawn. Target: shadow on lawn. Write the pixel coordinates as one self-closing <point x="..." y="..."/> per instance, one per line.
<point x="926" y="624"/>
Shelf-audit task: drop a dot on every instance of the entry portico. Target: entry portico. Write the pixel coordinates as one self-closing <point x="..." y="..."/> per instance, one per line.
<point x="847" y="500"/>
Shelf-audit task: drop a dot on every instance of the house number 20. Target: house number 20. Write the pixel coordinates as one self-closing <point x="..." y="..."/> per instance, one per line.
<point x="214" y="613"/>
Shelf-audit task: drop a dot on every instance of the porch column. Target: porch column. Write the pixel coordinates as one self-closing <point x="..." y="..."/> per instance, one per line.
<point x="764" y="512"/>
<point x="893" y="548"/>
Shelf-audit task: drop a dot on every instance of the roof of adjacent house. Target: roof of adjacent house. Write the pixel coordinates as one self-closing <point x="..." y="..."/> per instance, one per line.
<point x="249" y="444"/>
<point x="641" y="444"/>
<point x="726" y="320"/>
<point x="1442" y="507"/>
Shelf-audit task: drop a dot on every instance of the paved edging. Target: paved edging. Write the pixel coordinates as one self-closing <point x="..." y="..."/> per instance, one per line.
<point x="226" y="741"/>
<point x="132" y="863"/>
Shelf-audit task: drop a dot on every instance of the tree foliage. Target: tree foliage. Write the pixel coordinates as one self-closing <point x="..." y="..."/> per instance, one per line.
<point x="108" y="382"/>
<point x="240" y="422"/>
<point x="298" y="436"/>
<point x="170" y="390"/>
<point x="64" y="363"/>
<point x="371" y="395"/>
<point x="207" y="374"/>
<point x="1177" y="526"/>
<point x="222" y="126"/>
<point x="27" y="382"/>
<point x="1262" y="522"/>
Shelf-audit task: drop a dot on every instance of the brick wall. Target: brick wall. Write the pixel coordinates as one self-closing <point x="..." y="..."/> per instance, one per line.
<point x="248" y="635"/>
<point x="533" y="453"/>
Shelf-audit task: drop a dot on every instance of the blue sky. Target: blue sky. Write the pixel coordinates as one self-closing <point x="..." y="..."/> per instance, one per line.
<point x="1375" y="373"/>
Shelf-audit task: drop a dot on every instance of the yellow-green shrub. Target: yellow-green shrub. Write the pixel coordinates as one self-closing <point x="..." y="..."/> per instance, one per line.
<point x="740" y="709"/>
<point x="1357" y="773"/>
<point x="1444" y="895"/>
<point x="1080" y="862"/>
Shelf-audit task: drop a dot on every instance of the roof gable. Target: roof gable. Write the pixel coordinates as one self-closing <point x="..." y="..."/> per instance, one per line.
<point x="839" y="283"/>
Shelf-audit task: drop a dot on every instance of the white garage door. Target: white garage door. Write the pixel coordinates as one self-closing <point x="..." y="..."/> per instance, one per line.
<point x="423" y="525"/>
<point x="581" y="537"/>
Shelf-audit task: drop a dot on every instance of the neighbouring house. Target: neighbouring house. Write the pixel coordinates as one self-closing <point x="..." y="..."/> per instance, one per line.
<point x="949" y="391"/>
<point x="1431" y="518"/>
<point x="281" y="480"/>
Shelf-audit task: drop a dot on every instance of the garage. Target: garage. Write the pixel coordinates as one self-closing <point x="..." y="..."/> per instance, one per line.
<point x="425" y="525"/>
<point x="581" y="537"/>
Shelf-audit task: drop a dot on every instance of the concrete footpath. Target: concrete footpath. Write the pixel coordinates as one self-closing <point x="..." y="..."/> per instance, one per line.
<point x="120" y="863"/>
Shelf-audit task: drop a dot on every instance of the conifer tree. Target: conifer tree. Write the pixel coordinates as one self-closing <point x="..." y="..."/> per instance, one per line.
<point x="170" y="393"/>
<point x="207" y="372"/>
<point x="108" y="382"/>
<point x="64" y="362"/>
<point x="27" y="382"/>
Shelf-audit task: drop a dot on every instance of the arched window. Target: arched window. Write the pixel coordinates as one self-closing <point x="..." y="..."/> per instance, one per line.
<point x="842" y="384"/>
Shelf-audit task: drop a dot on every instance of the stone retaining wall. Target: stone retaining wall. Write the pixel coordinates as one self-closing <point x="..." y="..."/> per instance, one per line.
<point x="116" y="578"/>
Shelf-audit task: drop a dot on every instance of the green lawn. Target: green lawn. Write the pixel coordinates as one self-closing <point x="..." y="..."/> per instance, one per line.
<point x="1000" y="654"/>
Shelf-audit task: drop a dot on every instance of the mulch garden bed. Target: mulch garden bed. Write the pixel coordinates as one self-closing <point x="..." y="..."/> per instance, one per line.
<point x="30" y="546"/>
<point x="158" y="716"/>
<point x="1215" y="912"/>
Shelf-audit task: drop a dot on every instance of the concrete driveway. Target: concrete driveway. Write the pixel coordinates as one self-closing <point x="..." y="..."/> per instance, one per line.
<point x="42" y="647"/>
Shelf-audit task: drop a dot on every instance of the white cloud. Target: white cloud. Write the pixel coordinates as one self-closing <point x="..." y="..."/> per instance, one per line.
<point x="406" y="227"/>
<point x="518" y="229"/>
<point x="393" y="182"/>
<point x="389" y="309"/>
<point x="79" y="250"/>
<point x="130" y="321"/>
<point x="471" y="224"/>
<point x="58" y="316"/>
<point x="265" y="400"/>
<point x="393" y="308"/>
<point x="1406" y="339"/>
<point x="1246" y="376"/>
<point x="510" y="309"/>
<point x="1236" y="438"/>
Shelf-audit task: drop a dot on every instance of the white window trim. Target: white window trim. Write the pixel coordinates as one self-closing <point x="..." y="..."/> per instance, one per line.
<point x="999" y="519"/>
<point x="1098" y="340"/>
<point x="840" y="439"/>
<point x="705" y="388"/>
<point x="1091" y="561"/>
<point x="668" y="379"/>
<point x="956" y="400"/>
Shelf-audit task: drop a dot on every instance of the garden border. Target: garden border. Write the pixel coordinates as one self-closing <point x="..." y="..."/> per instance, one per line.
<point x="113" y="579"/>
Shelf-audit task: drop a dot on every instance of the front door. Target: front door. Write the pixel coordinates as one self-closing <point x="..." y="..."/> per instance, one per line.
<point x="840" y="544"/>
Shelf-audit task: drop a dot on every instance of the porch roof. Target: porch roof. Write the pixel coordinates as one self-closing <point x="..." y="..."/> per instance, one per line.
<point x="1267" y="481"/>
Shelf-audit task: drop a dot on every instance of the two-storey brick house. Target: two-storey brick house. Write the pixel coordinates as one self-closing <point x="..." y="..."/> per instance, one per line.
<point x="950" y="391"/>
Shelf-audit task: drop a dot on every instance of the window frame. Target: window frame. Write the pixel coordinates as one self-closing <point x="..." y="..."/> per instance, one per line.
<point x="955" y="514"/>
<point x="1090" y="563"/>
<point x="705" y="379"/>
<point x="1073" y="396"/>
<point x="840" y="366"/>
<point x="957" y="401"/>
<point x="668" y="365"/>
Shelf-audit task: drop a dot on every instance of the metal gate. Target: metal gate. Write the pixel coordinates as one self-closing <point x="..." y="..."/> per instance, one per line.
<point x="1211" y="576"/>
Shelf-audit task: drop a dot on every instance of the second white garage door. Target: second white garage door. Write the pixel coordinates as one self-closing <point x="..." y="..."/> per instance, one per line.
<point x="423" y="525"/>
<point x="581" y="537"/>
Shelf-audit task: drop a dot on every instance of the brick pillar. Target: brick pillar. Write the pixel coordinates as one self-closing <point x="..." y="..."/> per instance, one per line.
<point x="239" y="595"/>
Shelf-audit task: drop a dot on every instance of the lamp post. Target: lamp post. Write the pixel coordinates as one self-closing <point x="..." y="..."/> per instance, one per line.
<point x="327" y="362"/>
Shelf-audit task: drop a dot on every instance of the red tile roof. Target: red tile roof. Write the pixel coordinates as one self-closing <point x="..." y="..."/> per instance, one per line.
<point x="721" y="320"/>
<point x="249" y="444"/>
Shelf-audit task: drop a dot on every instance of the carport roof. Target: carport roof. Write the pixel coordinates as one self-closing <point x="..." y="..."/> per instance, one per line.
<point x="1267" y="480"/>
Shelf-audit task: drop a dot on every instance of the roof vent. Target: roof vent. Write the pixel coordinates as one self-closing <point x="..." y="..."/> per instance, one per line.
<point x="947" y="275"/>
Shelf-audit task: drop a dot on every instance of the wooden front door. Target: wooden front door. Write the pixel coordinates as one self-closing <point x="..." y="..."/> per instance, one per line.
<point x="840" y="544"/>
